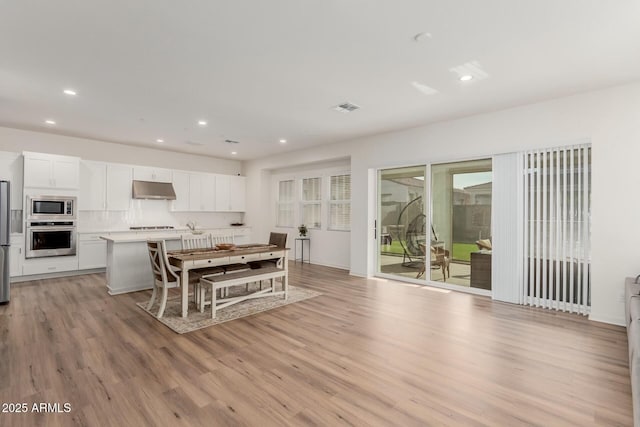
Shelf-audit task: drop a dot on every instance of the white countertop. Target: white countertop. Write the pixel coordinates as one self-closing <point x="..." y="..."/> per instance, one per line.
<point x="144" y="235"/>
<point x="139" y="237"/>
<point x="172" y="230"/>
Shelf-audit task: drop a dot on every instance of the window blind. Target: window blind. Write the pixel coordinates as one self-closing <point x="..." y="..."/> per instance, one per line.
<point x="340" y="203"/>
<point x="556" y="217"/>
<point x="286" y="198"/>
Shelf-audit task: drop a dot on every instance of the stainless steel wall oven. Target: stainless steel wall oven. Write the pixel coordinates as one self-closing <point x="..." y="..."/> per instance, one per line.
<point x="50" y="238"/>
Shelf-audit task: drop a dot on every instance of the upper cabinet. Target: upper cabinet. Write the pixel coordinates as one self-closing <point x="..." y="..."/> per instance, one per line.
<point x="222" y="193"/>
<point x="119" y="179"/>
<point x="11" y="170"/>
<point x="104" y="186"/>
<point x="51" y="171"/>
<point x="142" y="173"/>
<point x="181" y="186"/>
<point x="202" y="192"/>
<point x="230" y="193"/>
<point x="93" y="186"/>
<point x="237" y="193"/>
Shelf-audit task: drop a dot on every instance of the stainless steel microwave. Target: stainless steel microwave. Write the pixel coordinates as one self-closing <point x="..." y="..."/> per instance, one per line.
<point x="51" y="208"/>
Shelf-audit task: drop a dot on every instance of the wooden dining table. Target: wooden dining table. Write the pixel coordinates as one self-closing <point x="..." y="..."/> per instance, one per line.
<point x="194" y="259"/>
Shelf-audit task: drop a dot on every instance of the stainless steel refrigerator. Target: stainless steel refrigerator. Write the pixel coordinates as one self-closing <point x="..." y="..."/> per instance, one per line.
<point x="5" y="236"/>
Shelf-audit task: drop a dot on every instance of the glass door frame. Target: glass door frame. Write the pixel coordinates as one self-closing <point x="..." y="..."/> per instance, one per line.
<point x="426" y="279"/>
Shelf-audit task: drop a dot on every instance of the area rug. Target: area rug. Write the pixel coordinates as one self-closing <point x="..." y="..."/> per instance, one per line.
<point x="197" y="320"/>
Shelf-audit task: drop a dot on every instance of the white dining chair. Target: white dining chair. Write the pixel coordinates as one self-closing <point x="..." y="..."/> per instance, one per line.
<point x="199" y="241"/>
<point x="165" y="276"/>
<point x="196" y="241"/>
<point x="225" y="238"/>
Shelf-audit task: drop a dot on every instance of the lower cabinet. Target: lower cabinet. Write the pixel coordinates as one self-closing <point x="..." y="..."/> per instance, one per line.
<point x="92" y="252"/>
<point x="16" y="256"/>
<point x="49" y="265"/>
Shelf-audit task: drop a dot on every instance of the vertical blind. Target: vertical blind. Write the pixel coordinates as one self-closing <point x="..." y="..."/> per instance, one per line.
<point x="286" y="198"/>
<point x="340" y="203"/>
<point x="556" y="217"/>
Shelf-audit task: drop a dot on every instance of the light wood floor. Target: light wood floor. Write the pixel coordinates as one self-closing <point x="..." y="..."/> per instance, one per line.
<point x="366" y="352"/>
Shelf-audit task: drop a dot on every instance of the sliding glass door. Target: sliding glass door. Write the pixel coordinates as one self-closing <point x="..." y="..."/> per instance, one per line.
<point x="460" y="252"/>
<point x="401" y="224"/>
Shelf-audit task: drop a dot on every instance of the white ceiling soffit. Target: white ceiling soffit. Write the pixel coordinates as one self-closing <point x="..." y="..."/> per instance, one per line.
<point x="259" y="72"/>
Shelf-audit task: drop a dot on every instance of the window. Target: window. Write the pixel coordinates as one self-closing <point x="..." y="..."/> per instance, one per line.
<point x="340" y="203"/>
<point x="311" y="202"/>
<point x="286" y="199"/>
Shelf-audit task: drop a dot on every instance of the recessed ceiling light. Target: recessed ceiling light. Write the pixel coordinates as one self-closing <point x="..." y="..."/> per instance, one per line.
<point x="234" y="152"/>
<point x="70" y="92"/>
<point x="160" y="140"/>
<point x="50" y="122"/>
<point x="471" y="71"/>
<point x="283" y="141"/>
<point x="202" y="122"/>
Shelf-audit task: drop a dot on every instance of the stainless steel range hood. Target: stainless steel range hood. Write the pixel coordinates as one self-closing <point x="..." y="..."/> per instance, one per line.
<point x="153" y="190"/>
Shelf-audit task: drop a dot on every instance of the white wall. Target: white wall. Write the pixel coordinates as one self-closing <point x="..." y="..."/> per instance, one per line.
<point x="328" y="247"/>
<point x="609" y="119"/>
<point x="89" y="149"/>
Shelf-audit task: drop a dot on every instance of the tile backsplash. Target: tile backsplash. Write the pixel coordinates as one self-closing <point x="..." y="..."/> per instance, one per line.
<point x="150" y="213"/>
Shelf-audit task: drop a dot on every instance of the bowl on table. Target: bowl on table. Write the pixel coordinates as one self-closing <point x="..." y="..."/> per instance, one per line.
<point x="225" y="246"/>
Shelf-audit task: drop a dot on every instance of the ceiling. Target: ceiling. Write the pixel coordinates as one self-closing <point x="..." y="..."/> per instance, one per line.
<point x="261" y="71"/>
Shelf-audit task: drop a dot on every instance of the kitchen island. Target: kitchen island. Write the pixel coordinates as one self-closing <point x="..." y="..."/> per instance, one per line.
<point x="128" y="265"/>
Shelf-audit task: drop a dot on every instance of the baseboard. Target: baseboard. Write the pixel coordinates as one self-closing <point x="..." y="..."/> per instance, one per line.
<point x="606" y="319"/>
<point x="56" y="275"/>
<point x="128" y="290"/>
<point x="356" y="274"/>
<point x="324" y="264"/>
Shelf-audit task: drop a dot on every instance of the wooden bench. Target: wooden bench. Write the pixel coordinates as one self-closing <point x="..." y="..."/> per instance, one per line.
<point x="225" y="281"/>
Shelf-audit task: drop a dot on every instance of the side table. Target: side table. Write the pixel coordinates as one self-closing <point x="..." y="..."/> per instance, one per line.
<point x="302" y="240"/>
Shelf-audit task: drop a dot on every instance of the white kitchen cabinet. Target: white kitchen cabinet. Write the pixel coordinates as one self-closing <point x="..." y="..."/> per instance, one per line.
<point x="118" y="189"/>
<point x="202" y="192"/>
<point x="230" y="193"/>
<point x="222" y="193"/>
<point x="51" y="171"/>
<point x="11" y="170"/>
<point x="142" y="173"/>
<point x="49" y="265"/>
<point x="93" y="186"/>
<point x="16" y="255"/>
<point x="181" y="187"/>
<point x="92" y="252"/>
<point x="237" y="193"/>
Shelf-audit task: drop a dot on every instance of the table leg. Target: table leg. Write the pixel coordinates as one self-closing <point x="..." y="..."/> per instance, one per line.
<point x="285" y="279"/>
<point x="184" y="284"/>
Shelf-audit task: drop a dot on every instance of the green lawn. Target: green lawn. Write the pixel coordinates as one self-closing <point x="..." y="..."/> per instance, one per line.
<point x="394" y="248"/>
<point x="461" y="251"/>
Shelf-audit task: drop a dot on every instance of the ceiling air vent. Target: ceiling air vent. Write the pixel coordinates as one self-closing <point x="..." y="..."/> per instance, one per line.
<point x="346" y="107"/>
<point x="231" y="141"/>
<point x="194" y="143"/>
